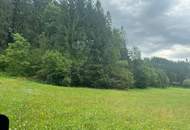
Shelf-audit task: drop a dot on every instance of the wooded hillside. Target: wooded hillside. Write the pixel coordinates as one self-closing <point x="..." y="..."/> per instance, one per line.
<point x="73" y="43"/>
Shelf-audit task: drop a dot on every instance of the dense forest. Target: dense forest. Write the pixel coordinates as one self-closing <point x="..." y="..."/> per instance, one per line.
<point x="73" y="43"/>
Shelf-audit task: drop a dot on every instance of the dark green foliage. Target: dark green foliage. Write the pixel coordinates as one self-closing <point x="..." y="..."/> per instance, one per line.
<point x="3" y="62"/>
<point x="148" y="76"/>
<point x="177" y="71"/>
<point x="121" y="77"/>
<point x="95" y="75"/>
<point x="72" y="42"/>
<point x="186" y="83"/>
<point x="54" y="68"/>
<point x="5" y="22"/>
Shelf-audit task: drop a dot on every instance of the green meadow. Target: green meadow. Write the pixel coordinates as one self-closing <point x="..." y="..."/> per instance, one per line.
<point x="35" y="106"/>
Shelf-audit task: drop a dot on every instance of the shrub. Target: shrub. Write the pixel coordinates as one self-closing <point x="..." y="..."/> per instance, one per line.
<point x="148" y="76"/>
<point x="186" y="83"/>
<point x="163" y="80"/>
<point x="3" y="62"/>
<point x="54" y="68"/>
<point x="121" y="77"/>
<point x="116" y="76"/>
<point x="95" y="75"/>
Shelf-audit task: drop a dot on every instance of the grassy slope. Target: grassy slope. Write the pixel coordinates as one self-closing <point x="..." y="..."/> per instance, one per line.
<point x="33" y="106"/>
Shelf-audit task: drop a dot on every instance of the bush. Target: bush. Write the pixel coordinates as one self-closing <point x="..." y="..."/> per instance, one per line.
<point x="49" y="66"/>
<point x="54" y="69"/>
<point x="95" y="75"/>
<point x="148" y="76"/>
<point x="186" y="83"/>
<point x="163" y="80"/>
<point x="3" y="62"/>
<point x="116" y="76"/>
<point x="121" y="77"/>
<point x="17" y="56"/>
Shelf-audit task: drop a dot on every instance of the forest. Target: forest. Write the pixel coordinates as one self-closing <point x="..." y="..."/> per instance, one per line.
<point x="73" y="43"/>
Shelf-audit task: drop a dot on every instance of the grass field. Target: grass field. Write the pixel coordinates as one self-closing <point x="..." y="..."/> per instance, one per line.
<point x="34" y="106"/>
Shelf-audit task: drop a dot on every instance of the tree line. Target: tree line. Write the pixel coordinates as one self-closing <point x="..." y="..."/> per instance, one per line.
<point x="73" y="43"/>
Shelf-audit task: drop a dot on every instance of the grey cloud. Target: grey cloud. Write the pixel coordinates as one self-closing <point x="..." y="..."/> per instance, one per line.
<point x="149" y="25"/>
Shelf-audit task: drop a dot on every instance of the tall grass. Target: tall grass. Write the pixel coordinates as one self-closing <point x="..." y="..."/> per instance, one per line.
<point x="34" y="106"/>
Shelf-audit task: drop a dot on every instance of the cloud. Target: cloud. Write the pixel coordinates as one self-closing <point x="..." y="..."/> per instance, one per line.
<point x="154" y="25"/>
<point x="181" y="52"/>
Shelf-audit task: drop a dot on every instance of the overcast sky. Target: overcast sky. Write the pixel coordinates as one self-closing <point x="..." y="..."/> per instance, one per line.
<point x="158" y="27"/>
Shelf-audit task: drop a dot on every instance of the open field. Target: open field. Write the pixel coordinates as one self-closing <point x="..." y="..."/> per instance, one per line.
<point x="34" y="106"/>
